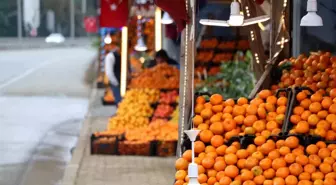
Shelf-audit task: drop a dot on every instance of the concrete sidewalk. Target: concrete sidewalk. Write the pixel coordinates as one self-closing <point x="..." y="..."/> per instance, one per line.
<point x="86" y="169"/>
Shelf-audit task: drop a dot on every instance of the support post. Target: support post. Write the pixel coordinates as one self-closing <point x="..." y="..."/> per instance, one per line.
<point x="296" y="33"/>
<point x="19" y="19"/>
<point x="72" y="19"/>
<point x="186" y="80"/>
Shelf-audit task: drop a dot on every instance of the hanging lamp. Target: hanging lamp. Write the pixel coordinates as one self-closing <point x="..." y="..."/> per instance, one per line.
<point x="140" y="46"/>
<point x="236" y="18"/>
<point x="311" y="18"/>
<point x="193" y="167"/>
<point x="108" y="39"/>
<point x="166" y="19"/>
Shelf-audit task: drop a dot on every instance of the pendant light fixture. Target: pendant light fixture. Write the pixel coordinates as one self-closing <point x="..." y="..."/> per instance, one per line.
<point x="140" y="46"/>
<point x="236" y="18"/>
<point x="311" y="18"/>
<point x="193" y="167"/>
<point x="108" y="39"/>
<point x="166" y="19"/>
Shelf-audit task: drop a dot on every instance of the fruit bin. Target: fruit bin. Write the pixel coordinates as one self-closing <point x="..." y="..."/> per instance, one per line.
<point x="106" y="103"/>
<point x="104" y="145"/>
<point x="293" y="103"/>
<point x="166" y="148"/>
<point x="142" y="148"/>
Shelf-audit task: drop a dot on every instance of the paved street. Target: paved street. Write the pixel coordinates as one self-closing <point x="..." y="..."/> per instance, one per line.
<point x="43" y="101"/>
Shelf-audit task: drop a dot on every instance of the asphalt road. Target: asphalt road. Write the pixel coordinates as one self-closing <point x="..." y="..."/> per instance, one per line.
<point x="43" y="101"/>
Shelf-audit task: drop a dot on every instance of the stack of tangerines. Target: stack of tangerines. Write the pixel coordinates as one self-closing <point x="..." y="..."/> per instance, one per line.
<point x="318" y="71"/>
<point x="219" y="120"/>
<point x="265" y="162"/>
<point x="315" y="114"/>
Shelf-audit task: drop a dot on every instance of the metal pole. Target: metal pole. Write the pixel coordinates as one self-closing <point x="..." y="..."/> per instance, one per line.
<point x="296" y="27"/>
<point x="84" y="7"/>
<point x="72" y="19"/>
<point x="19" y="19"/>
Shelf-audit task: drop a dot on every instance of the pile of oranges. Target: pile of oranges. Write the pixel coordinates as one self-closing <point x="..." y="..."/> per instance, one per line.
<point x="315" y="114"/>
<point x="264" y="162"/>
<point x="318" y="71"/>
<point x="219" y="120"/>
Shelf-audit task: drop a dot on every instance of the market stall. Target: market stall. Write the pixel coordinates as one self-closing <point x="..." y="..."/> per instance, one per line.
<point x="281" y="134"/>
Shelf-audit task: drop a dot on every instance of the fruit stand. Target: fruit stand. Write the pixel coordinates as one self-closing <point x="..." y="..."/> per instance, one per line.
<point x="283" y="133"/>
<point x="146" y="122"/>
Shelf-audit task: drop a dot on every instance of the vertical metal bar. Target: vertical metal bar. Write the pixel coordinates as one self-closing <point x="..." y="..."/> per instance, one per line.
<point x="72" y="19"/>
<point x="84" y="7"/>
<point x="296" y="34"/>
<point x="271" y="31"/>
<point x="19" y="19"/>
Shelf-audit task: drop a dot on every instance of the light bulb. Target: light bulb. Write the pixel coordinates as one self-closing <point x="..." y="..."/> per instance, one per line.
<point x="166" y="19"/>
<point x="311" y="18"/>
<point x="108" y="39"/>
<point x="140" y="46"/>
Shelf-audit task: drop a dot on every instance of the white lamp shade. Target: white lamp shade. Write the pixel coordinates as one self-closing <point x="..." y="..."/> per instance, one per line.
<point x="236" y="20"/>
<point x="311" y="19"/>
<point x="166" y="19"/>
<point x="140" y="46"/>
<point x="108" y="39"/>
<point x="192" y="134"/>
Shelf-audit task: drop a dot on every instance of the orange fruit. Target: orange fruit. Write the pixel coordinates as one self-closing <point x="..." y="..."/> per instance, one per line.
<point x="179" y="182"/>
<point x="309" y="168"/>
<point x="331" y="118"/>
<point x="305" y="115"/>
<point x="326" y="102"/>
<point x="263" y="94"/>
<point x="230" y="159"/>
<point x="269" y="173"/>
<point x="217" y="108"/>
<point x="201" y="169"/>
<point x="231" y="171"/>
<point x="265" y="163"/>
<point x="217" y="140"/>
<point x="249" y="120"/>
<point x="217" y="128"/>
<point x="225" y="180"/>
<point x="203" y="126"/>
<point x="221" y="150"/>
<point x="317" y="175"/>
<point x="279" y="181"/>
<point x="242" y="101"/>
<point x="251" y="162"/>
<point x="238" y="110"/>
<point x="247" y="175"/>
<point x="313" y="119"/>
<point x="301" y="96"/>
<point x="272" y="100"/>
<point x="305" y="103"/>
<point x="268" y="182"/>
<point x="298" y="110"/>
<point x="252" y="110"/>
<point x="202" y="178"/>
<point x="242" y="154"/>
<point x="302" y="160"/>
<point x="187" y="155"/>
<point x="312" y="149"/>
<point x="282" y="172"/>
<point x="322" y="114"/>
<point x="241" y="163"/>
<point x="211" y="173"/>
<point x="181" y="164"/>
<point x="259" y="126"/>
<point x="262" y="112"/>
<point x="281" y="109"/>
<point x="314" y="160"/>
<point x="291" y="180"/>
<point x="284" y="150"/>
<point x="200" y="100"/>
<point x="304" y="176"/>
<point x="302" y="127"/>
<point x="292" y="142"/>
<point x="324" y="152"/>
<point x="325" y="168"/>
<point x="259" y="180"/>
<point x="206" y="113"/>
<point x="199" y="147"/>
<point x="231" y="150"/>
<point x="290" y="158"/>
<point x="259" y="140"/>
<point x="208" y="162"/>
<point x="278" y="163"/>
<point x="219" y="166"/>
<point x="209" y="149"/>
<point x="197" y="120"/>
<point x="180" y="175"/>
<point x="317" y="97"/>
<point x="295" y="169"/>
<point x="321" y="144"/>
<point x="205" y="136"/>
<point x="315" y="107"/>
<point x="282" y="101"/>
<point x="211" y="180"/>
<point x="216" y="99"/>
